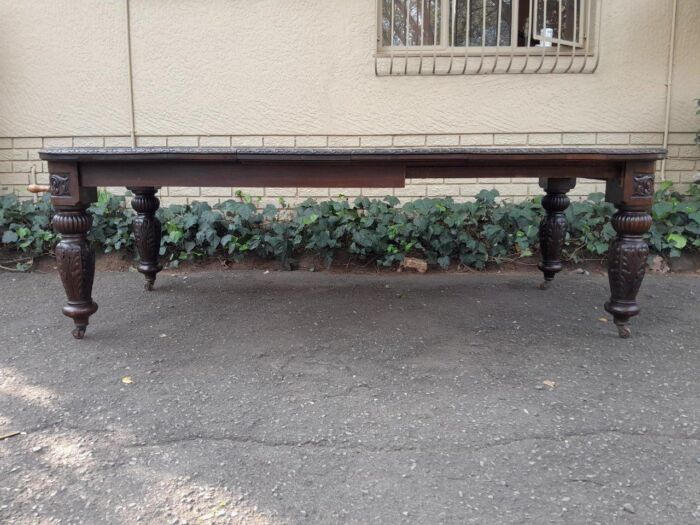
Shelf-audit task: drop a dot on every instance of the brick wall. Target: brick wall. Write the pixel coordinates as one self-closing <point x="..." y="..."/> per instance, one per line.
<point x="20" y="163"/>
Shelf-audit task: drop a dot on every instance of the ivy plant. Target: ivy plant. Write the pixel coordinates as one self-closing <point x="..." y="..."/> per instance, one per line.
<point x="483" y="231"/>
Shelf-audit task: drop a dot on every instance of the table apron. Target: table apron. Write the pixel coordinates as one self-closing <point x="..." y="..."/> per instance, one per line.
<point x="227" y="174"/>
<point x="323" y="174"/>
<point x="600" y="171"/>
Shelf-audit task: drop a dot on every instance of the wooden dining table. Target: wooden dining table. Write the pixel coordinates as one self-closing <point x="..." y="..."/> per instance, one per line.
<point x="76" y="173"/>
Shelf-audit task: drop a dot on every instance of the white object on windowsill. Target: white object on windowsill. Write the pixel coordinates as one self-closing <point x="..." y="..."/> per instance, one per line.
<point x="548" y="33"/>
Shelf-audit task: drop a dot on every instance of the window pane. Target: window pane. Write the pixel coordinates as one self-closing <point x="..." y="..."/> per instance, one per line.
<point x="548" y="19"/>
<point x="414" y="22"/>
<point x="482" y="28"/>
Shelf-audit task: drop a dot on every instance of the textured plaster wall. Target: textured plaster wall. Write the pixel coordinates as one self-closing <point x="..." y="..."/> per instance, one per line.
<point x="312" y="67"/>
<point x="301" y="73"/>
<point x="686" y="77"/>
<point x="63" y="68"/>
<point x="273" y="67"/>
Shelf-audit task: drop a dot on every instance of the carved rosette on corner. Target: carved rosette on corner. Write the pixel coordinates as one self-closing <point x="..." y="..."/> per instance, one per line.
<point x="643" y="185"/>
<point x="59" y="185"/>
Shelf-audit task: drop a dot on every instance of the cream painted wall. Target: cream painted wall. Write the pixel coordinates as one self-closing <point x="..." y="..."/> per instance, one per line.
<point x="305" y="67"/>
<point x="686" y="78"/>
<point x="63" y="67"/>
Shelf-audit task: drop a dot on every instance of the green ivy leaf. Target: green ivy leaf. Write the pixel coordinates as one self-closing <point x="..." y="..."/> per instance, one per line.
<point x="9" y="237"/>
<point x="176" y="236"/>
<point x="677" y="240"/>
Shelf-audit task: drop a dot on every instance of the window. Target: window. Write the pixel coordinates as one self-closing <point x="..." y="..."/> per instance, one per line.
<point x="559" y="22"/>
<point x="526" y="36"/>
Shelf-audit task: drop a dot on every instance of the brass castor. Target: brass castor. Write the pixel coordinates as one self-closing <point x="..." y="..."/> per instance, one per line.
<point x="624" y="331"/>
<point x="544" y="285"/>
<point x="79" y="332"/>
<point x="148" y="286"/>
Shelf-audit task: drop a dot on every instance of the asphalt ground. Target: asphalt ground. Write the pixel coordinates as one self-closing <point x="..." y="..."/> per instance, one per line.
<point x="299" y="397"/>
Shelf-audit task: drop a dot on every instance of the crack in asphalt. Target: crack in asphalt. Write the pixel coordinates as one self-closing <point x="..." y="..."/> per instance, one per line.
<point x="584" y="480"/>
<point x="327" y="443"/>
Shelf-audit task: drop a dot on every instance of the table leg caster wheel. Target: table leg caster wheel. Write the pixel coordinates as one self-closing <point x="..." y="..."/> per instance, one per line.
<point x="79" y="332"/>
<point x="148" y="286"/>
<point x="544" y="285"/>
<point x="624" y="331"/>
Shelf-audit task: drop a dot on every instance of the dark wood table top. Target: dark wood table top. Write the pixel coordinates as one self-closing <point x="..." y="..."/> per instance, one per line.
<point x="355" y="154"/>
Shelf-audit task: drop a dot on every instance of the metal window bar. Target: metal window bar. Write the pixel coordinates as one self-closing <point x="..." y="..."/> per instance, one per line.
<point x="498" y="36"/>
<point x="453" y="21"/>
<point x="435" y="29"/>
<point x="408" y="32"/>
<point x="483" y="34"/>
<point x="506" y="38"/>
<point x="554" y="65"/>
<point x="466" y="39"/>
<point x="576" y="34"/>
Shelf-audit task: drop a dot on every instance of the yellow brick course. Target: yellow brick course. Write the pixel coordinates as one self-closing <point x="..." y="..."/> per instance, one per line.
<point x="376" y="141"/>
<point x="648" y="139"/>
<point x="151" y="142"/>
<point x="544" y="139"/>
<point x="279" y="141"/>
<point x="579" y="139"/>
<point x="115" y="142"/>
<point x="613" y="138"/>
<point x="217" y="192"/>
<point x="510" y="139"/>
<point x="26" y="142"/>
<point x="476" y="139"/>
<point x="442" y="140"/>
<point x="312" y="141"/>
<point x="343" y="141"/>
<point x="58" y="142"/>
<point x="409" y="140"/>
<point x="88" y="142"/>
<point x="184" y="142"/>
<point x="246" y="141"/>
<point x="215" y="142"/>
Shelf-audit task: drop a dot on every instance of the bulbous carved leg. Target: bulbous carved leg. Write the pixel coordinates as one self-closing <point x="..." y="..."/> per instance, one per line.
<point x="76" y="265"/>
<point x="553" y="226"/>
<point x="147" y="231"/>
<point x="627" y="259"/>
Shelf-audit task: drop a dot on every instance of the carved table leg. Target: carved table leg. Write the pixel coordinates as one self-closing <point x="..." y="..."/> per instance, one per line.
<point x="147" y="231"/>
<point x="553" y="226"/>
<point x="76" y="264"/>
<point x="627" y="257"/>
